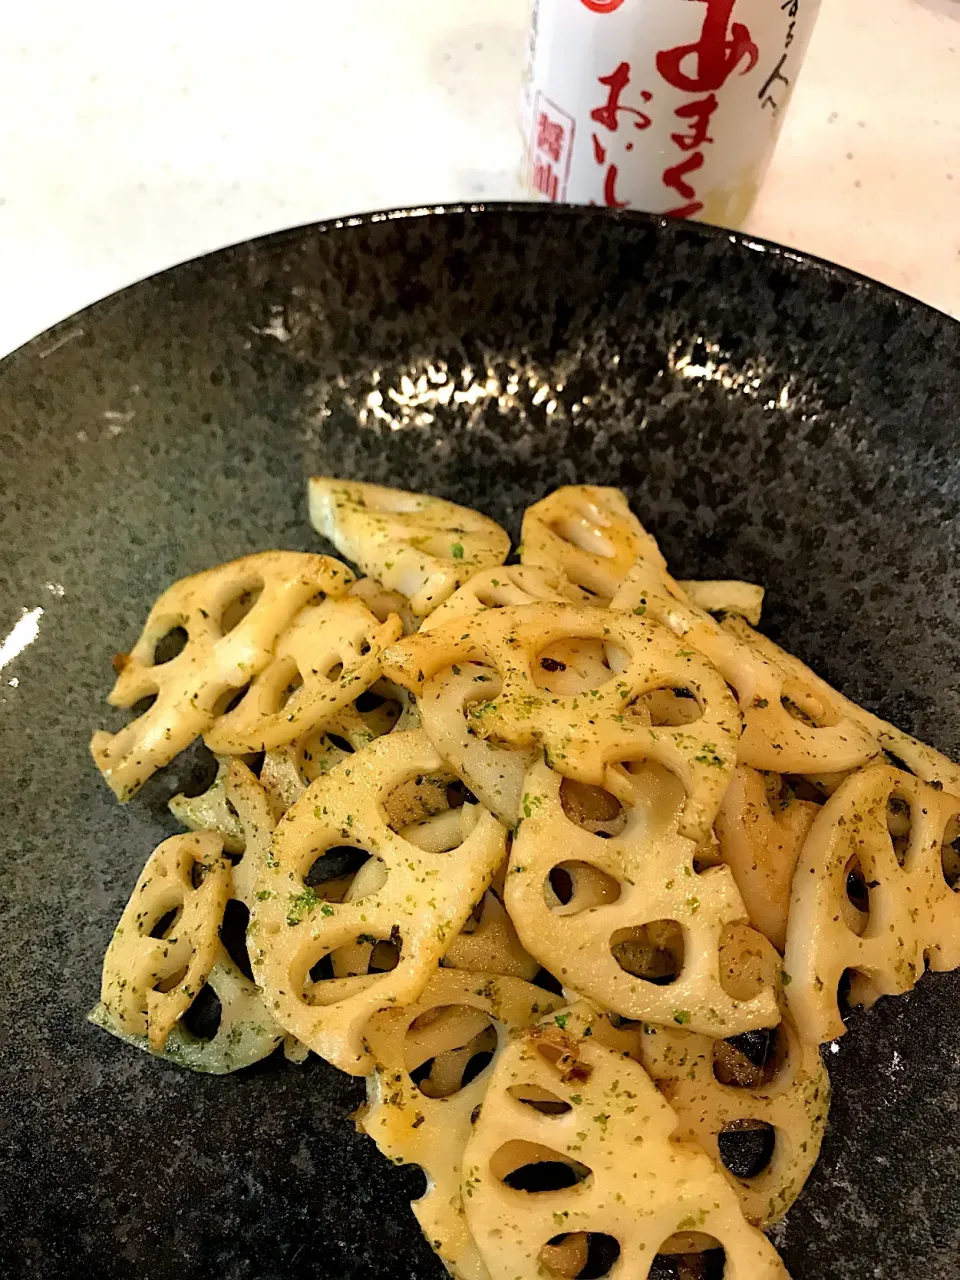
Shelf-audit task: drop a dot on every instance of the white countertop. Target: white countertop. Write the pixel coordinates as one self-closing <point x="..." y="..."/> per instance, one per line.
<point x="135" y="136"/>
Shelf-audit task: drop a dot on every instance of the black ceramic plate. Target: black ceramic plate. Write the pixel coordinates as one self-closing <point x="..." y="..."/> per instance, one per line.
<point x="771" y="418"/>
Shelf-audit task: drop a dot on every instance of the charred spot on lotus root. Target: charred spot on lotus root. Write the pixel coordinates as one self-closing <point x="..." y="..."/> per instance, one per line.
<point x="896" y="761"/>
<point x="561" y="1052"/>
<point x="536" y="1168"/>
<point x="653" y="952"/>
<point x="574" y="665"/>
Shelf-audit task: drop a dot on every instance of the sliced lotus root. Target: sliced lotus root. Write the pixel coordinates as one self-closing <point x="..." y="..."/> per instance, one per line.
<point x="789" y="726"/>
<point x="295" y="1050"/>
<point x="439" y="832"/>
<point x="228" y="621"/>
<point x="583" y="733"/>
<point x="210" y="811"/>
<point x="489" y="943"/>
<point x="420" y="546"/>
<point x="167" y="941"/>
<point x="257" y="822"/>
<point x="234" y="1033"/>
<point x="413" y="902"/>
<point x="874" y="895"/>
<point x="287" y="771"/>
<point x="236" y="808"/>
<point x="501" y="587"/>
<point x="329" y="655"/>
<point x="631" y="925"/>
<point x="926" y="762"/>
<point x="574" y="1138"/>
<point x="492" y="771"/>
<point x="756" y="1105"/>
<point x="589" y="534"/>
<point x="436" y="1041"/>
<point x="382" y="603"/>
<point x="727" y="596"/>
<point x="760" y="840"/>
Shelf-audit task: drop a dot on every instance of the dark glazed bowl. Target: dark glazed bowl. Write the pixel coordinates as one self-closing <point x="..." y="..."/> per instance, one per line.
<point x="770" y="416"/>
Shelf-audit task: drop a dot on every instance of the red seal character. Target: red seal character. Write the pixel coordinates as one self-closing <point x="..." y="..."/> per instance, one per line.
<point x="551" y="149"/>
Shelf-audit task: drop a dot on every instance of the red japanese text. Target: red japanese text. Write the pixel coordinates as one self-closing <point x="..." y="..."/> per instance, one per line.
<point x="608" y="117"/>
<point x="701" y="68"/>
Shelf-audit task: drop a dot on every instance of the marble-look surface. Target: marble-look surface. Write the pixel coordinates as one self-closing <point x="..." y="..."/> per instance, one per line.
<point x="136" y="136"/>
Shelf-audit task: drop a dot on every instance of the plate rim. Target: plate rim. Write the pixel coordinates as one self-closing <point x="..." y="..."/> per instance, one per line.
<point x="800" y="259"/>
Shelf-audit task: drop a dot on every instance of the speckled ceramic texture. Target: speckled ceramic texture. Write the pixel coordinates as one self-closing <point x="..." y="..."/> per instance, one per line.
<point x="770" y="417"/>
